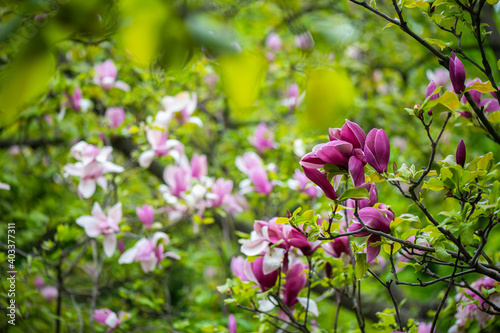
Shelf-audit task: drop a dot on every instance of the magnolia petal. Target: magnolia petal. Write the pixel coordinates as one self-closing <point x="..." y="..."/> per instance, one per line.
<point x="146" y="158"/>
<point x="272" y="260"/>
<point x="312" y="308"/>
<point x="87" y="187"/>
<point x="90" y="224"/>
<point x="109" y="244"/>
<point x="115" y="212"/>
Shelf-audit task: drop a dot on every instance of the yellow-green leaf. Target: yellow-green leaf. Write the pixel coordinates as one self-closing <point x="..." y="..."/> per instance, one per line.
<point x="483" y="88"/>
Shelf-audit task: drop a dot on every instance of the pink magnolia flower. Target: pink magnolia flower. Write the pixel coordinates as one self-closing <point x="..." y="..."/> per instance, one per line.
<point x="337" y="247"/>
<point x="251" y="164"/>
<point x="295" y="280"/>
<point x="489" y="104"/>
<point x="319" y="178"/>
<point x="149" y="252"/>
<point x="93" y="164"/>
<point x="373" y="219"/>
<point x="50" y="293"/>
<point x="440" y="76"/>
<point x="263" y="138"/>
<point x="273" y="42"/>
<point x="105" y="76"/>
<point x="160" y="146"/>
<point x="350" y="132"/>
<point x="198" y="166"/>
<point x="146" y="215"/>
<point x="301" y="183"/>
<point x="178" y="180"/>
<point x="461" y="153"/>
<point x="304" y="41"/>
<point x="220" y="195"/>
<point x="109" y="318"/>
<point x="182" y="106"/>
<point x="457" y="74"/>
<point x="76" y="101"/>
<point x="4" y="186"/>
<point x="115" y="116"/>
<point x="232" y="326"/>
<point x="100" y="224"/>
<point x="255" y="273"/>
<point x="377" y="150"/>
<point x="293" y="99"/>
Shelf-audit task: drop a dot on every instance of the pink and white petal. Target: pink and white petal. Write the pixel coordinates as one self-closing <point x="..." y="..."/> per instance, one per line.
<point x="272" y="260"/>
<point x="109" y="244"/>
<point x="122" y="85"/>
<point x="149" y="265"/>
<point x="312" y="306"/>
<point x="87" y="188"/>
<point x="4" y="186"/>
<point x="115" y="213"/>
<point x="102" y="182"/>
<point x="146" y="158"/>
<point x="254" y="247"/>
<point x="160" y="235"/>
<point x="196" y="121"/>
<point x="112" y="320"/>
<point x="97" y="212"/>
<point x="90" y="224"/>
<point x="172" y="255"/>
<point x="128" y="256"/>
<point x="111" y="167"/>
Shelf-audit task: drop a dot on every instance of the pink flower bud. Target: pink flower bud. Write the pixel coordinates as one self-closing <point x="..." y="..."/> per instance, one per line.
<point x="461" y="153"/>
<point x="457" y="74"/>
<point x="377" y="150"/>
<point x="146" y="215"/>
<point x="304" y="41"/>
<point x="273" y="41"/>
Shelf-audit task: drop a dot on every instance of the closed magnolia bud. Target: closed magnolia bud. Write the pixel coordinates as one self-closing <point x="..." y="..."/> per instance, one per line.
<point x="457" y="74"/>
<point x="461" y="153"/>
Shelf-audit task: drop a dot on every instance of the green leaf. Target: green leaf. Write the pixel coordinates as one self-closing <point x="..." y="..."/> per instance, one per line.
<point x="441" y="252"/>
<point x="441" y="44"/>
<point x="281" y="220"/>
<point x="492" y="2"/>
<point x="466" y="233"/>
<point x="361" y="264"/>
<point x="434" y="185"/>
<point x="354" y="193"/>
<point x="481" y="87"/>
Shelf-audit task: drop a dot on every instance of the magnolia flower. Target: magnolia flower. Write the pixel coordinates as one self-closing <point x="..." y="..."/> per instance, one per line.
<point x="295" y="280"/>
<point x="319" y="178"/>
<point x="293" y="99"/>
<point x="76" y="101"/>
<point x="220" y="195"/>
<point x="457" y="74"/>
<point x="182" y="106"/>
<point x="373" y="219"/>
<point x="93" y="164"/>
<point x="255" y="273"/>
<point x="100" y="224"/>
<point x="263" y="138"/>
<point x="377" y="150"/>
<point x="160" y="146"/>
<point x="149" y="252"/>
<point x="440" y="76"/>
<point x="146" y="215"/>
<point x="350" y="132"/>
<point x="301" y="183"/>
<point x="178" y="181"/>
<point x="251" y="164"/>
<point x="461" y="153"/>
<point x="429" y="93"/>
<point x="489" y="104"/>
<point x="48" y="292"/>
<point x="232" y="326"/>
<point x="304" y="41"/>
<point x="109" y="318"/>
<point x="115" y="116"/>
<point x="198" y="166"/>
<point x="105" y="76"/>
<point x="4" y="186"/>
<point x="273" y="42"/>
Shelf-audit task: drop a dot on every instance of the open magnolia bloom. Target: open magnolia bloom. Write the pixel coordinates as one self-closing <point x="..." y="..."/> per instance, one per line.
<point x="110" y="319"/>
<point x="149" y="252"/>
<point x="105" y="76"/>
<point x="160" y="146"/>
<point x="91" y="167"/>
<point x="100" y="224"/>
<point x="181" y="107"/>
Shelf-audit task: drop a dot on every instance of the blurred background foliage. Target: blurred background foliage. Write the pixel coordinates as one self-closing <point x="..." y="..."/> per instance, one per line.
<point x="356" y="70"/>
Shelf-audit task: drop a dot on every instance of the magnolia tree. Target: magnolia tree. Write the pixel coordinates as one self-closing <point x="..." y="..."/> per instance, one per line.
<point x="250" y="166"/>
